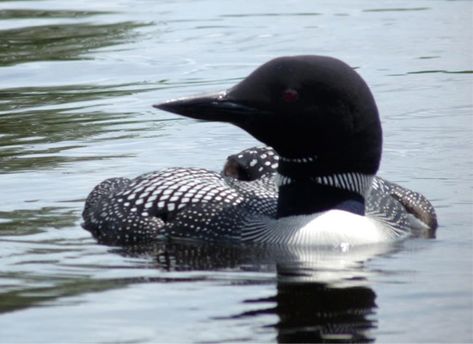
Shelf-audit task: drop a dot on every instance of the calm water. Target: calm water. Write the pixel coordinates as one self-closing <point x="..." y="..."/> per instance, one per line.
<point x="76" y="83"/>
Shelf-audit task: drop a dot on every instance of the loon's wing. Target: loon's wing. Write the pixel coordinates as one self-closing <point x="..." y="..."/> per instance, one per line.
<point x="420" y="214"/>
<point x="400" y="207"/>
<point x="381" y="205"/>
<point x="251" y="164"/>
<point x="123" y="211"/>
<point x="158" y="204"/>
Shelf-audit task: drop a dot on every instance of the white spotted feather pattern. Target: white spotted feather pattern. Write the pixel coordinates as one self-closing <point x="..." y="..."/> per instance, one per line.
<point x="197" y="203"/>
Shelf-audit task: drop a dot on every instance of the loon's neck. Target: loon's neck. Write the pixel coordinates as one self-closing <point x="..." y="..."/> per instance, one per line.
<point x="305" y="189"/>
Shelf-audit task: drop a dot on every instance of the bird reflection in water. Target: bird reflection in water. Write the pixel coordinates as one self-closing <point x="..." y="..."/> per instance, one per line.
<point x="311" y="312"/>
<point x="321" y="295"/>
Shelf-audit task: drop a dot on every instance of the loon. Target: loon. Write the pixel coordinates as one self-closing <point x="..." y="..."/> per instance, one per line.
<point x="314" y="184"/>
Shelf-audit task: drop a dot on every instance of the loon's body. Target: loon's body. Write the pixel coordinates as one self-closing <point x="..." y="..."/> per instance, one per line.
<point x="317" y="187"/>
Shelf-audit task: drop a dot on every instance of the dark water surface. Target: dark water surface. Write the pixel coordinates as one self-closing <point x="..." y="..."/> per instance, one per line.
<point x="76" y="83"/>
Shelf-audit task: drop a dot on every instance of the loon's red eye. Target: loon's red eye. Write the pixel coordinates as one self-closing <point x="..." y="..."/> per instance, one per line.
<point x="290" y="95"/>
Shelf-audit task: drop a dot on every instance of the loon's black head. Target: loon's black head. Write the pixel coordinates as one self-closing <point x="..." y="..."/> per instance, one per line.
<point x="313" y="107"/>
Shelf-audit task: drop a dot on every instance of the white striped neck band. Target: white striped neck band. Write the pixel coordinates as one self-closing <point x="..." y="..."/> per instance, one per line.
<point x="350" y="181"/>
<point x="303" y="160"/>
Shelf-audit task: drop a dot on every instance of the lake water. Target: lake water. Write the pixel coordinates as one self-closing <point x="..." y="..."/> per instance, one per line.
<point x="77" y="80"/>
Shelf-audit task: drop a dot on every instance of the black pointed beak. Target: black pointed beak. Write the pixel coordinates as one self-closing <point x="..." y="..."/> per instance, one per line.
<point x="213" y="107"/>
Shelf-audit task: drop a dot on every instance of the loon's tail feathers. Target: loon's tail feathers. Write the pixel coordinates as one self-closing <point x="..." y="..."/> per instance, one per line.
<point x="106" y="188"/>
<point x="109" y="220"/>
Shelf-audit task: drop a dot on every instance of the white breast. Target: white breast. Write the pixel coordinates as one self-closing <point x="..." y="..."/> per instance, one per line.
<point x="331" y="228"/>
